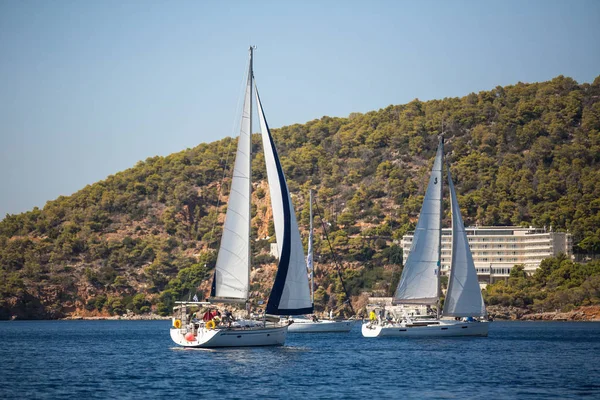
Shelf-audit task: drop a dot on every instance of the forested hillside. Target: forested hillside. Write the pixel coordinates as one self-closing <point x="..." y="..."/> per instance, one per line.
<point x="523" y="154"/>
<point x="559" y="284"/>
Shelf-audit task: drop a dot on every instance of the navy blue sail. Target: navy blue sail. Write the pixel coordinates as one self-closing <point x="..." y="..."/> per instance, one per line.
<point x="290" y="294"/>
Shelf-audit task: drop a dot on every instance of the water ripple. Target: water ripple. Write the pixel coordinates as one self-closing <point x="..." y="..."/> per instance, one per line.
<point x="137" y="360"/>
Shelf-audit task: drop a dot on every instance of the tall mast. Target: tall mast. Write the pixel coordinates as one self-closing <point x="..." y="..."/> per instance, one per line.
<point x="232" y="271"/>
<point x="311" y="264"/>
<point x="250" y="84"/>
<point x="439" y="268"/>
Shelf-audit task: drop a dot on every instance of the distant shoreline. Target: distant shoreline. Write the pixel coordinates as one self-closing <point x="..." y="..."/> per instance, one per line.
<point x="127" y="317"/>
<point x="142" y="317"/>
<point x="581" y="314"/>
<point x="499" y="313"/>
<point x="541" y="317"/>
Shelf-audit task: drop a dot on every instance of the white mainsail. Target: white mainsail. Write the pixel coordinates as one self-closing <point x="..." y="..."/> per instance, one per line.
<point x="290" y="294"/>
<point x="419" y="281"/>
<point x="463" y="298"/>
<point x="232" y="271"/>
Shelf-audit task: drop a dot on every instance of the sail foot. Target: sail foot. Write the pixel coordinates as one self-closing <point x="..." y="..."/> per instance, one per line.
<point x="425" y="301"/>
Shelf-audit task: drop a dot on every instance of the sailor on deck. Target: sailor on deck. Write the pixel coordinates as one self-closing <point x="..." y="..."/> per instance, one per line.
<point x="372" y="316"/>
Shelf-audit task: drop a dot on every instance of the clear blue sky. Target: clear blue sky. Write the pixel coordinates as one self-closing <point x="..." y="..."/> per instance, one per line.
<point x="88" y="88"/>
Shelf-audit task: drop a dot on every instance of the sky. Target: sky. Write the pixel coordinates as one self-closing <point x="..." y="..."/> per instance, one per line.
<point x="89" y="88"/>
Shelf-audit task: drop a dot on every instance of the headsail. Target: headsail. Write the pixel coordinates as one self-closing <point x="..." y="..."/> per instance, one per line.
<point x="309" y="258"/>
<point x="419" y="281"/>
<point x="463" y="298"/>
<point x="290" y="294"/>
<point x="232" y="272"/>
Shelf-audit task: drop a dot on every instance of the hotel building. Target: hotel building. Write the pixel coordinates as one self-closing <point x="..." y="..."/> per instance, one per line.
<point x="496" y="249"/>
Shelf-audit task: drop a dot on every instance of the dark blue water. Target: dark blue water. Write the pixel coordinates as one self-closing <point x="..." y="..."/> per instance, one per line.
<point x="137" y="360"/>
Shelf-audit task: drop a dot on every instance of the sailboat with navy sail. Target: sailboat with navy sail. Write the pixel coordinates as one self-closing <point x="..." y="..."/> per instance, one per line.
<point x="464" y="312"/>
<point x="231" y="282"/>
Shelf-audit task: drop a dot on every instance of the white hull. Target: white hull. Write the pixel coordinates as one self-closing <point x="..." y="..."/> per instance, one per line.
<point x="308" y="326"/>
<point x="441" y="329"/>
<point x="234" y="337"/>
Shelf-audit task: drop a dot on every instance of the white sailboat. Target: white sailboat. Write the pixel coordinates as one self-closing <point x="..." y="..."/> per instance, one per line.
<point x="231" y="284"/>
<point x="313" y="325"/>
<point x="419" y="283"/>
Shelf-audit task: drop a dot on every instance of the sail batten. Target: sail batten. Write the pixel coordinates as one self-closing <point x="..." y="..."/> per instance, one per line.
<point x="419" y="281"/>
<point x="463" y="298"/>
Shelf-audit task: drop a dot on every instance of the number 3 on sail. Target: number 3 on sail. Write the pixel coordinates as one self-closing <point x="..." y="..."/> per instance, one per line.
<point x="420" y="284"/>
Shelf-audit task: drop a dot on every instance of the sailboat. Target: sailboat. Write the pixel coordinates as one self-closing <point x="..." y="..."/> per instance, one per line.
<point x="464" y="312"/>
<point x="314" y="325"/>
<point x="290" y="293"/>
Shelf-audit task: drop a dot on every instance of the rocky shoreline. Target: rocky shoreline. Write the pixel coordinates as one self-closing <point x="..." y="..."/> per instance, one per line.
<point x="124" y="317"/>
<point x="587" y="313"/>
<point x="500" y="313"/>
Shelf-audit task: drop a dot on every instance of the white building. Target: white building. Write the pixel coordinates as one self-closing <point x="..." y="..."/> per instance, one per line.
<point x="496" y="249"/>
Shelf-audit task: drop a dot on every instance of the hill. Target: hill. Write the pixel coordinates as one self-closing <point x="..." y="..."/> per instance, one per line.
<point x="526" y="154"/>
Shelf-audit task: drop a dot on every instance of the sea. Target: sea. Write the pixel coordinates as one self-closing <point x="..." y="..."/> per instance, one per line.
<point x="137" y="360"/>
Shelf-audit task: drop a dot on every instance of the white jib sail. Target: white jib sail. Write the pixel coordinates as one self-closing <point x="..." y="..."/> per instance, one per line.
<point x="309" y="257"/>
<point x="463" y="298"/>
<point x="294" y="291"/>
<point x="419" y="281"/>
<point x="232" y="276"/>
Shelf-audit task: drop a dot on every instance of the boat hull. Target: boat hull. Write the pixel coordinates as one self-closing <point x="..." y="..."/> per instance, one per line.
<point x="247" y="337"/>
<point x="304" y="326"/>
<point x="441" y="329"/>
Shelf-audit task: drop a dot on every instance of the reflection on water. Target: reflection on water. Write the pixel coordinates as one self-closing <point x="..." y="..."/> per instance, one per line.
<point x="250" y="360"/>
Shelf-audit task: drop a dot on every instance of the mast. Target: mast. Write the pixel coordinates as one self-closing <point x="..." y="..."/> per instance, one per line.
<point x="231" y="282"/>
<point x="335" y="259"/>
<point x="310" y="260"/>
<point x="419" y="282"/>
<point x="251" y="84"/>
<point x="439" y="268"/>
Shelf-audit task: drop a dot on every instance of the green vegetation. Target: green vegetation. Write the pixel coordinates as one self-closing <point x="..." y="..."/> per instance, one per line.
<point x="559" y="284"/>
<point x="526" y="154"/>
